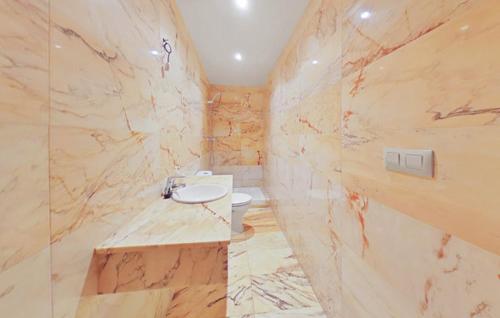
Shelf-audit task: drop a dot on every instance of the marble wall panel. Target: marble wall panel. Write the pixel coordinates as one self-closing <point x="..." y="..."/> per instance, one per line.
<point x="24" y="175"/>
<point x="236" y="124"/>
<point x="416" y="74"/>
<point x="439" y="93"/>
<point x="303" y="147"/>
<point x="121" y="121"/>
<point x="243" y="176"/>
<point x="419" y="274"/>
<point x="88" y="103"/>
<point x="24" y="62"/>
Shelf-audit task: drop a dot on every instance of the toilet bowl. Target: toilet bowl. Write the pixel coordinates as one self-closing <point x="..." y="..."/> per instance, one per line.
<point x="241" y="203"/>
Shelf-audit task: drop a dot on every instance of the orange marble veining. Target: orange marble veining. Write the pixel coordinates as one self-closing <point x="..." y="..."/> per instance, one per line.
<point x="236" y="132"/>
<point x="265" y="279"/>
<point x="415" y="74"/>
<point x="236" y="125"/>
<point x="87" y="105"/>
<point x="24" y="177"/>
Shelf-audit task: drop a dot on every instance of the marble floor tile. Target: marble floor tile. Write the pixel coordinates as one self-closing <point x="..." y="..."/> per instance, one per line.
<point x="265" y="279"/>
<point x="238" y="263"/>
<point x="310" y="312"/>
<point x="267" y="240"/>
<point x="268" y="261"/>
<point x="282" y="291"/>
<point x="239" y="298"/>
<point x="261" y="220"/>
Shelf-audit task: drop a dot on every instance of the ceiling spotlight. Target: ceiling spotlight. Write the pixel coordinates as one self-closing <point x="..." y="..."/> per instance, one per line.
<point x="365" y="15"/>
<point x="238" y="56"/>
<point x="155" y="52"/>
<point x="315" y="62"/>
<point x="242" y="4"/>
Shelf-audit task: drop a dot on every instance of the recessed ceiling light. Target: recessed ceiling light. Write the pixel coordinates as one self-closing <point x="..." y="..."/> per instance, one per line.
<point x="315" y="62"/>
<point x="242" y="4"/>
<point x="155" y="52"/>
<point x="365" y="15"/>
<point x="464" y="28"/>
<point x="238" y="56"/>
<point x="58" y="46"/>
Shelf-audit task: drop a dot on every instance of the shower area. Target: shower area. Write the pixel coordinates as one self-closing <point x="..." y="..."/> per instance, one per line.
<point x="235" y="136"/>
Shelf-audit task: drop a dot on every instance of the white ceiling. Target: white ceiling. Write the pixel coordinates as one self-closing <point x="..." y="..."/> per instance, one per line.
<point x="219" y="29"/>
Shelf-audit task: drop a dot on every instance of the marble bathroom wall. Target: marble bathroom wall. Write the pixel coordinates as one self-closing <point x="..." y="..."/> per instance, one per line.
<point x="302" y="172"/>
<point x="121" y="121"/>
<point x="237" y="131"/>
<point x="24" y="175"/>
<point x="415" y="74"/>
<point x="92" y="119"/>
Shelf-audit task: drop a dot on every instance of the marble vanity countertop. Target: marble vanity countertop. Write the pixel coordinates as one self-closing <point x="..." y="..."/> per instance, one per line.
<point x="166" y="222"/>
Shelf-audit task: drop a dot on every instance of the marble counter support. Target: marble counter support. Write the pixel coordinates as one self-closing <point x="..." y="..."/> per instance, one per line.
<point x="181" y="249"/>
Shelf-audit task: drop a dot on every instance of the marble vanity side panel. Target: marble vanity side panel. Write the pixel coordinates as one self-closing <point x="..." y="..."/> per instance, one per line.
<point x="148" y="304"/>
<point x="237" y="131"/>
<point x="24" y="176"/>
<point x="166" y="266"/>
<point x="196" y="277"/>
<point x="302" y="165"/>
<point x="108" y="150"/>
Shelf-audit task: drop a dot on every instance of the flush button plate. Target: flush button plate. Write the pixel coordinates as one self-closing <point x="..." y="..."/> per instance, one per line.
<point x="419" y="162"/>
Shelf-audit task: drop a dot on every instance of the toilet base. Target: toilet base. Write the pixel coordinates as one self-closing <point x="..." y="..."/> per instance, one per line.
<point x="237" y="218"/>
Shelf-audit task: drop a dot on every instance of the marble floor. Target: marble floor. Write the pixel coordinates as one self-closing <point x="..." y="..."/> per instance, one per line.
<point x="265" y="279"/>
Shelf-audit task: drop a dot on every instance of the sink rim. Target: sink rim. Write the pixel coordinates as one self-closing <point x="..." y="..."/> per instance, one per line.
<point x="177" y="198"/>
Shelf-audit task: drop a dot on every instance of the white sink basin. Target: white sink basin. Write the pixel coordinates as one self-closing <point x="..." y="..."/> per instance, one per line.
<point x="199" y="193"/>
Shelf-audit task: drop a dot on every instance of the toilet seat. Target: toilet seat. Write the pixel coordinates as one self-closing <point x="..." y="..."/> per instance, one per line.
<point x="239" y="199"/>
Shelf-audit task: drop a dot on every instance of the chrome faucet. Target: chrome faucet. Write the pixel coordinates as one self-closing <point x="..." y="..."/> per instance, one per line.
<point x="171" y="186"/>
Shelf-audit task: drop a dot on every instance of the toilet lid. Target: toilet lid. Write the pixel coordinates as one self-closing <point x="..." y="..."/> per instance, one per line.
<point x="240" y="199"/>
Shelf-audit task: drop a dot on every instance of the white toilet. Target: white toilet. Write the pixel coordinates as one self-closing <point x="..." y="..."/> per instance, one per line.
<point x="241" y="203"/>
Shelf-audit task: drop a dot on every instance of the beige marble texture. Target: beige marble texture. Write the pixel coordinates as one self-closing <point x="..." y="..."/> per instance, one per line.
<point x="87" y="108"/>
<point x="447" y="83"/>
<point x="236" y="126"/>
<point x="442" y="267"/>
<point x="147" y="304"/>
<point x="416" y="74"/>
<point x="195" y="277"/>
<point x="24" y="62"/>
<point x="302" y="171"/>
<point x="180" y="250"/>
<point x="24" y="175"/>
<point x="121" y="122"/>
<point x="166" y="222"/>
<point x="163" y="266"/>
<point x="264" y="278"/>
<point x="91" y="123"/>
<point x="243" y="176"/>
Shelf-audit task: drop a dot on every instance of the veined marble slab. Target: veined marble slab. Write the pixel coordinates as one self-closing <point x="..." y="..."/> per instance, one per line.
<point x="166" y="222"/>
